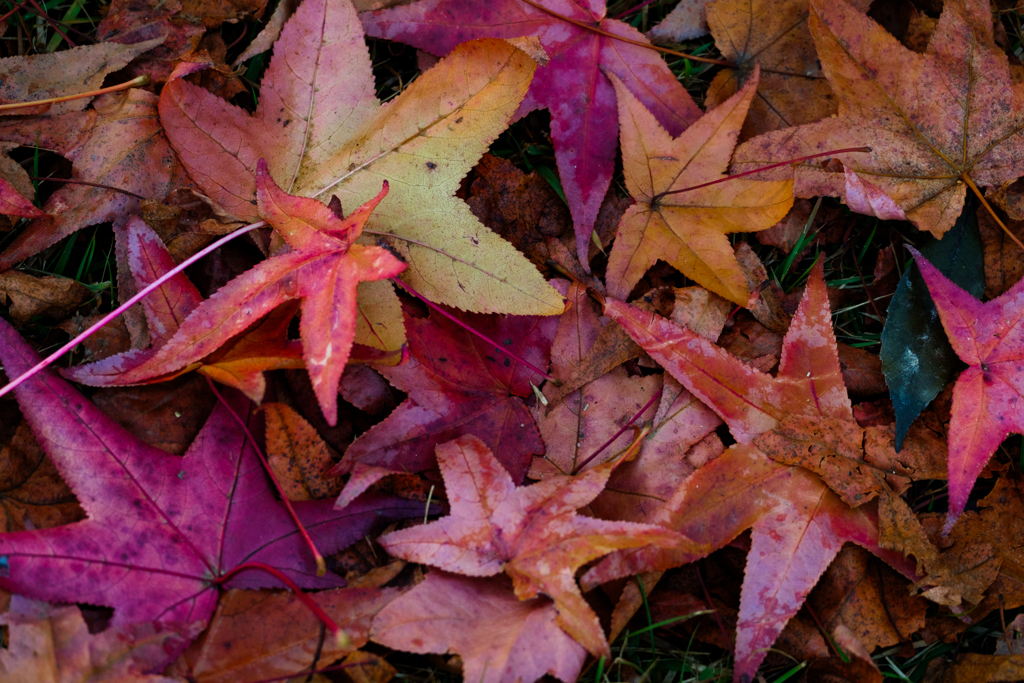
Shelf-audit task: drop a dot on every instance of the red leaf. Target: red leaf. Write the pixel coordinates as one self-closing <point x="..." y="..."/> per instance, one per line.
<point x="572" y="85"/>
<point x="798" y="524"/>
<point x="161" y="529"/>
<point x="459" y="384"/>
<point x="323" y="269"/>
<point x="532" y="533"/>
<point x="501" y="639"/>
<point x="986" y="397"/>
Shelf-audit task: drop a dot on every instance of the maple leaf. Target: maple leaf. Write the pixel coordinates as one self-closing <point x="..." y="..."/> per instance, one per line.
<point x="572" y="85"/>
<point x="688" y="230"/>
<point x="936" y="123"/>
<point x="48" y="643"/>
<point x="531" y="533"/>
<point x="323" y="269"/>
<point x="986" y="397"/>
<point x="321" y="129"/>
<point x="119" y="143"/>
<point x="458" y="384"/>
<point x="501" y="639"/>
<point x="798" y="524"/>
<point x="161" y="529"/>
<point x="774" y="35"/>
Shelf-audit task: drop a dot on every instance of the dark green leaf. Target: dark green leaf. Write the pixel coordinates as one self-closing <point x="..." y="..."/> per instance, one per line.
<point x="917" y="360"/>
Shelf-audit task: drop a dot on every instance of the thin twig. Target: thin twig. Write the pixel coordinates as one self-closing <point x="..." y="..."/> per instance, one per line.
<point x="331" y="625"/>
<point x="137" y="82"/>
<point x="84" y="182"/>
<point x="53" y="357"/>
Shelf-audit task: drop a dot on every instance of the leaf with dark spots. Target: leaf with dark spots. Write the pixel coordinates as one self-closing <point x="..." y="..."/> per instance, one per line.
<point x="161" y="529"/>
<point x="459" y="384"/>
<point x="917" y="360"/>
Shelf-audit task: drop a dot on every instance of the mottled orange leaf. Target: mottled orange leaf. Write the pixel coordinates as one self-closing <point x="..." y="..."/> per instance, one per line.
<point x="688" y="230"/>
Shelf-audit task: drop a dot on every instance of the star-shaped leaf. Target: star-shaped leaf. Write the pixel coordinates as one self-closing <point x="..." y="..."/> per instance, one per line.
<point x="935" y="122"/>
<point x="798" y="524"/>
<point x="322" y="132"/>
<point x="989" y="337"/>
<point x="572" y="85"/>
<point x="532" y="533"/>
<point x="688" y="230"/>
<point x="323" y="269"/>
<point x="161" y="529"/>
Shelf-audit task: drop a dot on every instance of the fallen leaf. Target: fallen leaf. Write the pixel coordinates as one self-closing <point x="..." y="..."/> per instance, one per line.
<point x="978" y="668"/>
<point x="13" y="203"/>
<point x="134" y="21"/>
<point x="117" y="143"/>
<point x="688" y="230"/>
<point x="32" y="494"/>
<point x="46" y="643"/>
<point x="925" y="148"/>
<point x="161" y="529"/>
<point x="774" y="35"/>
<point x="917" y="360"/>
<point x="458" y="384"/>
<point x="686" y="20"/>
<point x="531" y="533"/>
<point x="298" y="455"/>
<point x="1003" y="265"/>
<point x="322" y="269"/>
<point x="798" y="524"/>
<point x="344" y="143"/>
<point x="501" y="639"/>
<point x="573" y="85"/>
<point x="59" y="74"/>
<point x="256" y="635"/>
<point x="47" y="295"/>
<point x="987" y="337"/>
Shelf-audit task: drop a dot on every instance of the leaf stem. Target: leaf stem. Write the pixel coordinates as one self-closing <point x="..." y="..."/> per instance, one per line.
<point x="137" y="82"/>
<point x="49" y="360"/>
<point x="469" y="329"/>
<point x="71" y="181"/>
<point x="758" y="170"/>
<point x="639" y="43"/>
<point x="321" y="565"/>
<point x="988" y="207"/>
<point x="331" y="625"/>
<point x="619" y="433"/>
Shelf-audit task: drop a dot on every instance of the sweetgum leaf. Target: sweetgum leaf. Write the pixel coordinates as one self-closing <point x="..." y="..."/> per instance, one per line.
<point x="323" y="132"/>
<point x="917" y="360"/>
<point x="798" y="524"/>
<point x="532" y="533"/>
<point x="573" y="85"/>
<point x="161" y="529"/>
<point x="988" y="337"/>
<point x="935" y="122"/>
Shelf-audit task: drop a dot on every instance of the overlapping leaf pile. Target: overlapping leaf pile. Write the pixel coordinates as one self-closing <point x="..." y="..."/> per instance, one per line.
<point x="618" y="408"/>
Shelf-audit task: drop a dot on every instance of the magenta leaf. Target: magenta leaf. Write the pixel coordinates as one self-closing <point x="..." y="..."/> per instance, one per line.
<point x="162" y="529"/>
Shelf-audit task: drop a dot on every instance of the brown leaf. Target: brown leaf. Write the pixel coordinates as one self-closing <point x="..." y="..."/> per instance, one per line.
<point x="1003" y="263"/>
<point x="167" y="415"/>
<point x="977" y="668"/>
<point x="862" y="371"/>
<point x="256" y="635"/>
<point x="864" y="595"/>
<point x="32" y="494"/>
<point x="298" y="455"/>
<point x="48" y="295"/>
